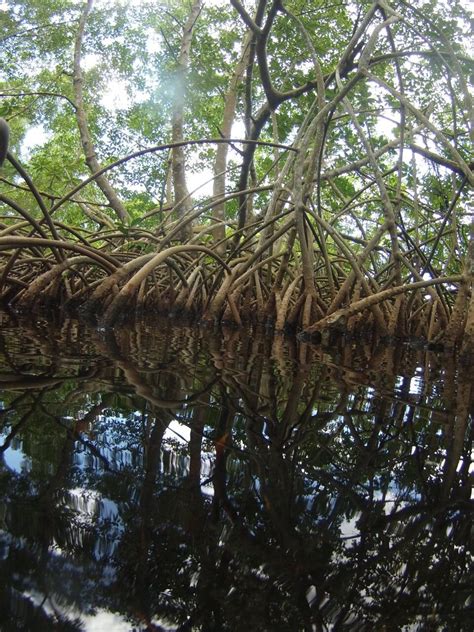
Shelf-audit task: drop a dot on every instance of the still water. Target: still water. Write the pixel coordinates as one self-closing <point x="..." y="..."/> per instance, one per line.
<point x="161" y="477"/>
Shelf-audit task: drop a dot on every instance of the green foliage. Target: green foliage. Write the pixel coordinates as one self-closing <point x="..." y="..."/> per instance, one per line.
<point x="384" y="144"/>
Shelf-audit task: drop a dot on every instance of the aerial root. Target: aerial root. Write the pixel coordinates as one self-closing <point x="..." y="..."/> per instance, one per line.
<point x="192" y="281"/>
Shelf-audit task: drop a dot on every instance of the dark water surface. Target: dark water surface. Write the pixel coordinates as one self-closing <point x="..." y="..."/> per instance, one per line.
<point x="160" y="478"/>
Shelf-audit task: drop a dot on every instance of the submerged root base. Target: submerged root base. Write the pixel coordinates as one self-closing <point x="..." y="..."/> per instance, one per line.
<point x="185" y="283"/>
<point x="125" y="309"/>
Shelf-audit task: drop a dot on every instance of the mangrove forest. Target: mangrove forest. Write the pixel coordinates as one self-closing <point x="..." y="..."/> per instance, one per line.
<point x="302" y="165"/>
<point x="236" y="316"/>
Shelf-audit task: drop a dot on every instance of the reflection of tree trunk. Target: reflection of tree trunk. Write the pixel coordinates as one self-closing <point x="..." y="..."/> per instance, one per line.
<point x="222" y="443"/>
<point x="457" y="434"/>
<point x="194" y="510"/>
<point x="136" y="378"/>
<point x="152" y="451"/>
<point x="277" y="492"/>
<point x="57" y="481"/>
<point x="290" y="415"/>
<point x="277" y="476"/>
<point x="195" y="446"/>
<point x="152" y="454"/>
<point x="195" y="443"/>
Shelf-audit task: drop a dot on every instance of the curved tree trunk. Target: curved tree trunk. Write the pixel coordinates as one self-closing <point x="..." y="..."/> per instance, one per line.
<point x="178" y="160"/>
<point x="82" y="122"/>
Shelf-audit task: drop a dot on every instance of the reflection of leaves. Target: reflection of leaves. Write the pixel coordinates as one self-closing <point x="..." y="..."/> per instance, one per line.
<point x="19" y="612"/>
<point x="318" y="488"/>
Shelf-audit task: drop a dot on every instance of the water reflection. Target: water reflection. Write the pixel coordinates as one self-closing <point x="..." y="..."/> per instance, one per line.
<point x="162" y="478"/>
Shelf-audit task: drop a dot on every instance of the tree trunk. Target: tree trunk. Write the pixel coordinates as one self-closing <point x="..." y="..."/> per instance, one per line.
<point x="82" y="122"/>
<point x="178" y="160"/>
<point x="467" y="348"/>
<point x="220" y="163"/>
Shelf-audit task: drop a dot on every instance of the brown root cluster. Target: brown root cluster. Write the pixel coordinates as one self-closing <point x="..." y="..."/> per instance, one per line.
<point x="255" y="283"/>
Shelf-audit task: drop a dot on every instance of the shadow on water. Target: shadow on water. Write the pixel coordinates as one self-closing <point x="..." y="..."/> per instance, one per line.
<point x="169" y="478"/>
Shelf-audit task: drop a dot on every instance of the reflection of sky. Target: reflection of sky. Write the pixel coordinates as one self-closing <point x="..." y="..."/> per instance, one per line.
<point x="104" y="621"/>
<point x="115" y="442"/>
<point x="178" y="432"/>
<point x="349" y="528"/>
<point x="416" y="385"/>
<point x="98" y="622"/>
<point x="14" y="457"/>
<point x="93" y="509"/>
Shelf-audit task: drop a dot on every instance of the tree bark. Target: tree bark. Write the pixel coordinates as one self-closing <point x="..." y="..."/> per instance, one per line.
<point x="220" y="163"/>
<point x="83" y="124"/>
<point x="178" y="161"/>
